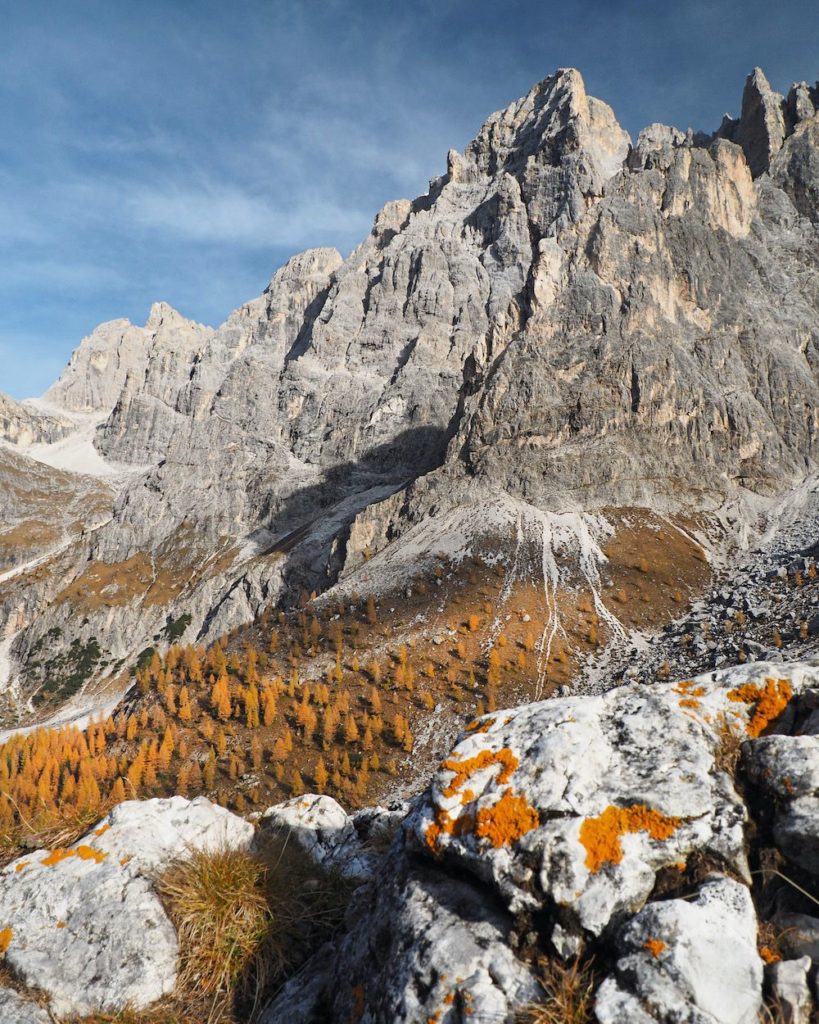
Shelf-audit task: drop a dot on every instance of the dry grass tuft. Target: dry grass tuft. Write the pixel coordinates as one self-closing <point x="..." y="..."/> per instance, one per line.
<point x="245" y="922"/>
<point x="729" y="748"/>
<point x="568" y="990"/>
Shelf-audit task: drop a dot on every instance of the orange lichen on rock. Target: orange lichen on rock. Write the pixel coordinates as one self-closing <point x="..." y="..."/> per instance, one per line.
<point x="770" y="701"/>
<point x="21" y="866"/>
<point x="359" y="1003"/>
<point x="6" y="935"/>
<point x="654" y="946"/>
<point x="507" y="820"/>
<point x="83" y="852"/>
<point x="88" y="853"/>
<point x="55" y="857"/>
<point x="687" y="689"/>
<point x="485" y="759"/>
<point x="601" y="835"/>
<point x="769" y="955"/>
<point x="476" y="726"/>
<point x="446" y="825"/>
<point x="467" y="796"/>
<point x="690" y="702"/>
<point x="101" y="830"/>
<point x="61" y="924"/>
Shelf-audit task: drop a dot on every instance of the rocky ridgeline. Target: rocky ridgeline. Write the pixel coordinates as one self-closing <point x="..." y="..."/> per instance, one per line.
<point x="671" y="830"/>
<point x="566" y="320"/>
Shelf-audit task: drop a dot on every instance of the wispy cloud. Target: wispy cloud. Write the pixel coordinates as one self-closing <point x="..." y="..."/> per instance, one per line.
<point x="180" y="151"/>
<point x="226" y="214"/>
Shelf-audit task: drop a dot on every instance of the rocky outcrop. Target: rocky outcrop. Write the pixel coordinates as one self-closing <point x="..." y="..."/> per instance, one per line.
<point x="156" y="358"/>
<point x="426" y="947"/>
<point x="610" y="826"/>
<point x="549" y="826"/>
<point x="22" y="424"/>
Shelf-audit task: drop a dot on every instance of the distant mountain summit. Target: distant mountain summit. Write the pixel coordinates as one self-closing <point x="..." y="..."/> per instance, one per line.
<point x="566" y="327"/>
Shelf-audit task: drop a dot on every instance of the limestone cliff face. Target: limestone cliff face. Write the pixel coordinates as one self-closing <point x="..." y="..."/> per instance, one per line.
<point x="565" y="318"/>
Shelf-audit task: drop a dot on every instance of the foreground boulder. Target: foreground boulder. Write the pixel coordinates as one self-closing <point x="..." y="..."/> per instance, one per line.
<point x="84" y="923"/>
<point x="549" y="825"/>
<point x="574" y="805"/>
<point x="687" y="961"/>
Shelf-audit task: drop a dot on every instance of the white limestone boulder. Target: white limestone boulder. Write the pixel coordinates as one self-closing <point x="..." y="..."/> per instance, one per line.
<point x="324" y="830"/>
<point x="85" y="923"/>
<point x="790" y="988"/>
<point x="692" y="961"/>
<point x="575" y="804"/>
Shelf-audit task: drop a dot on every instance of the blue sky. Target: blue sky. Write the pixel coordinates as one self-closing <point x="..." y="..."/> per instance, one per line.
<point x="182" y="150"/>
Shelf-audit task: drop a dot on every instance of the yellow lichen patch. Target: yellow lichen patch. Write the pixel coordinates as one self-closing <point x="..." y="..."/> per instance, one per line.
<point x="101" y="830"/>
<point x="21" y="866"/>
<point x="601" y="835"/>
<point x="61" y="924"/>
<point x="476" y="726"/>
<point x="485" y="759"/>
<point x="769" y="702"/>
<point x="55" y="857"/>
<point x="769" y="955"/>
<point x="654" y="946"/>
<point x="467" y="796"/>
<point x="507" y="820"/>
<point x="690" y="702"/>
<point x="687" y="689"/>
<point x="6" y="935"/>
<point x="88" y="853"/>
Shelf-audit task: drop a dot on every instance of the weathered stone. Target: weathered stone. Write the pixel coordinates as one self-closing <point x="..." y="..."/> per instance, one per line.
<point x="786" y="768"/>
<point x="761" y="129"/>
<point x="572" y="805"/>
<point x="423" y="943"/>
<point x="799" y="934"/>
<point x="790" y="989"/>
<point x="86" y="925"/>
<point x="16" y="1010"/>
<point x="324" y="830"/>
<point x="687" y="961"/>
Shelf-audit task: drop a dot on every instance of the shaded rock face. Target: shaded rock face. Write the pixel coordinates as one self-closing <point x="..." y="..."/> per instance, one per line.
<point x="427" y="947"/>
<point x="563" y="319"/>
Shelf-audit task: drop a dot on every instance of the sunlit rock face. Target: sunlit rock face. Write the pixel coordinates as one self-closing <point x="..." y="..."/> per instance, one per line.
<point x="567" y="318"/>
